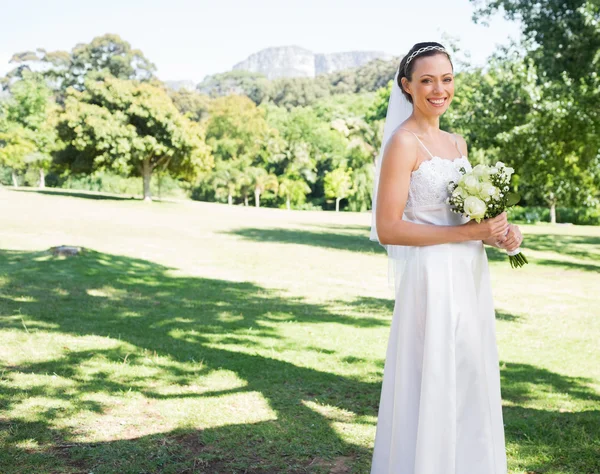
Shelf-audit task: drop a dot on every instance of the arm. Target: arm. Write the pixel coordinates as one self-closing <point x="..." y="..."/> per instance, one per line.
<point x="398" y="161"/>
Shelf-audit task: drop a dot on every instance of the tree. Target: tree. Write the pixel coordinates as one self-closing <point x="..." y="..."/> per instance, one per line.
<point x="563" y="36"/>
<point x="28" y="128"/>
<point x="227" y="178"/>
<point x="105" y="55"/>
<point x="338" y="185"/>
<point x="360" y="156"/>
<point x="132" y="128"/>
<point x="559" y="139"/>
<point x="193" y="105"/>
<point x="16" y="143"/>
<point x="261" y="181"/>
<point x="254" y="85"/>
<point x="237" y="129"/>
<point x="294" y="189"/>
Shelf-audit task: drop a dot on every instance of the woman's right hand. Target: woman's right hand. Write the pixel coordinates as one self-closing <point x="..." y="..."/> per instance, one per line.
<point x="490" y="229"/>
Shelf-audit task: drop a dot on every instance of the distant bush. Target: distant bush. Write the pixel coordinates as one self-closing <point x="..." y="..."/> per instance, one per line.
<point x="307" y="206"/>
<point x="533" y="214"/>
<point x="529" y="214"/>
<point x="102" y="181"/>
<point x="5" y="176"/>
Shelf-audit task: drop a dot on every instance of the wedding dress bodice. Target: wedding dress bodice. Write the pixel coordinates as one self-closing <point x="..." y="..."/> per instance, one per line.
<point x="429" y="183"/>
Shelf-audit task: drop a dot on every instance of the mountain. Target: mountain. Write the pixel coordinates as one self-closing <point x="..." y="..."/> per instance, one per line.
<point x="294" y="61"/>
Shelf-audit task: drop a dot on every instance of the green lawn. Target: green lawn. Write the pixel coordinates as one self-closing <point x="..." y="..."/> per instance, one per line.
<point x="195" y="337"/>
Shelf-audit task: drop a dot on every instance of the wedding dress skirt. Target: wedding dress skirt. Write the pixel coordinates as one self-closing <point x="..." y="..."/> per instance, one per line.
<point x="440" y="410"/>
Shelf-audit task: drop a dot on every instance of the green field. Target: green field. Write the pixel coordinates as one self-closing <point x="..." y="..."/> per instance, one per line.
<point x="200" y="338"/>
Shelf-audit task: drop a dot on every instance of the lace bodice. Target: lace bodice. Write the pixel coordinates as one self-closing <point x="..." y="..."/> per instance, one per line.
<point x="429" y="183"/>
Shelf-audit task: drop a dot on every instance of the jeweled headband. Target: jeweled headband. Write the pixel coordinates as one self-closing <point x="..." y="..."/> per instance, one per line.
<point x="422" y="50"/>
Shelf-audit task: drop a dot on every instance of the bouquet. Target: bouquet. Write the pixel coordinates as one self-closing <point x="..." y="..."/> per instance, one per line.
<point x="484" y="193"/>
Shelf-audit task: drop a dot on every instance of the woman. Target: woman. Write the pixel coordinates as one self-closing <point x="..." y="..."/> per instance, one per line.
<point x="440" y="410"/>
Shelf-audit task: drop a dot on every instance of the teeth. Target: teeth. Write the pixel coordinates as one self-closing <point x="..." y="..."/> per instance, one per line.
<point x="438" y="101"/>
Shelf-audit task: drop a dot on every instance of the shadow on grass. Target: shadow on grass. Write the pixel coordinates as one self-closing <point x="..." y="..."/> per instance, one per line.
<point x="502" y="316"/>
<point x="78" y="194"/>
<point x="340" y="241"/>
<point x="581" y="248"/>
<point x="524" y="382"/>
<point x="556" y="440"/>
<point x="184" y="320"/>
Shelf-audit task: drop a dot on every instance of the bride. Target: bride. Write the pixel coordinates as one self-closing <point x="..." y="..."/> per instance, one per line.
<point x="440" y="410"/>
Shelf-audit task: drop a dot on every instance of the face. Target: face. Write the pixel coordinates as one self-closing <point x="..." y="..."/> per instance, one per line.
<point x="432" y="85"/>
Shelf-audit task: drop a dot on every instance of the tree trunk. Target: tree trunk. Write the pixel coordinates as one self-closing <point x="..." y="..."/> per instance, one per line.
<point x="245" y="200"/>
<point x="257" y="197"/>
<point x="42" y="179"/>
<point x="147" y="175"/>
<point x="15" y="180"/>
<point x="337" y="204"/>
<point x="229" y="199"/>
<point x="553" y="212"/>
<point x="287" y="202"/>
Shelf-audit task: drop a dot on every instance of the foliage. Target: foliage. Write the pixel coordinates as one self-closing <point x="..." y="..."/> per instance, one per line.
<point x="104" y="55"/>
<point x="566" y="215"/>
<point x="28" y="126"/>
<point x="338" y="185"/>
<point x="237" y="129"/>
<point x="565" y="35"/>
<point x="294" y="190"/>
<point x="293" y="92"/>
<point x="132" y="128"/>
<point x="109" y="182"/>
<point x="237" y="82"/>
<point x="191" y="104"/>
<point x="508" y="114"/>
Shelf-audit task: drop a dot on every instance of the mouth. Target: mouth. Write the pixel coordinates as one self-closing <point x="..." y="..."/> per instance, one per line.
<point x="438" y="102"/>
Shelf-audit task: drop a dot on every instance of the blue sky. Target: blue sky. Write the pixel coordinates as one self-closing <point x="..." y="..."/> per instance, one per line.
<point x="188" y="40"/>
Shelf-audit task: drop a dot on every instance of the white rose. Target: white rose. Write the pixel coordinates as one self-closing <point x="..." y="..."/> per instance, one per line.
<point x="471" y="184"/>
<point x="481" y="171"/>
<point x="475" y="208"/>
<point x="459" y="192"/>
<point x="487" y="190"/>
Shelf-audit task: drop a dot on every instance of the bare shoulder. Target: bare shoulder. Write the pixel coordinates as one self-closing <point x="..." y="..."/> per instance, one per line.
<point x="462" y="144"/>
<point x="402" y="147"/>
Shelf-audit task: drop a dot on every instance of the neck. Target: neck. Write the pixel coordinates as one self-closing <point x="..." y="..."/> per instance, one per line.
<point x="428" y="125"/>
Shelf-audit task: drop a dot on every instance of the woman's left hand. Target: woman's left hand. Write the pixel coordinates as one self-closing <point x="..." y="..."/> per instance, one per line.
<point x="513" y="239"/>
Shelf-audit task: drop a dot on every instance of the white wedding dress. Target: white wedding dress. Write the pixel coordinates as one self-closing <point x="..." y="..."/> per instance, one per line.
<point x="440" y="410"/>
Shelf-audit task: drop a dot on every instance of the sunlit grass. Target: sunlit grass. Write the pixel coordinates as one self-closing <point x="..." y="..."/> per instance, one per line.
<point x="193" y="337"/>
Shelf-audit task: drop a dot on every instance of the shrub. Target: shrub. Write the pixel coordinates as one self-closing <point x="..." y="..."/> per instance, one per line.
<point x="572" y="215"/>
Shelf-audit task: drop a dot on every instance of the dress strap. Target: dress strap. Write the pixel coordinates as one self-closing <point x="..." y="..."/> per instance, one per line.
<point x="418" y="140"/>
<point x="456" y="141"/>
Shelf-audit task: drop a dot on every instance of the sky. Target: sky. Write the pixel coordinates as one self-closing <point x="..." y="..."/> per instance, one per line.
<point x="188" y="40"/>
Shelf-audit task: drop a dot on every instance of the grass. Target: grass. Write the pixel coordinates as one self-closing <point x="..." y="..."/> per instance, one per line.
<point x="194" y="337"/>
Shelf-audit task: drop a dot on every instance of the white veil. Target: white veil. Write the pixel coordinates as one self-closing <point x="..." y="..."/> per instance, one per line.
<point x="399" y="109"/>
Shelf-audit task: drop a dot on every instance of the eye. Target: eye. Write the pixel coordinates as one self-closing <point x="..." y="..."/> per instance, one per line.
<point x="426" y="81"/>
<point x="448" y="79"/>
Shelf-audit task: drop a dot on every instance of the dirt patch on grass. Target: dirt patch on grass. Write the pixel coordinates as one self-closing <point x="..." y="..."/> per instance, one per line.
<point x="339" y="465"/>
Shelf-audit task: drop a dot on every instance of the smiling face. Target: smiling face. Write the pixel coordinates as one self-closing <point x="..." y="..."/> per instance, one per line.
<point x="432" y="84"/>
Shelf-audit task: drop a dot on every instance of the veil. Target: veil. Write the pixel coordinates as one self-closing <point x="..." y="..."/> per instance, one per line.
<point x="399" y="109"/>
